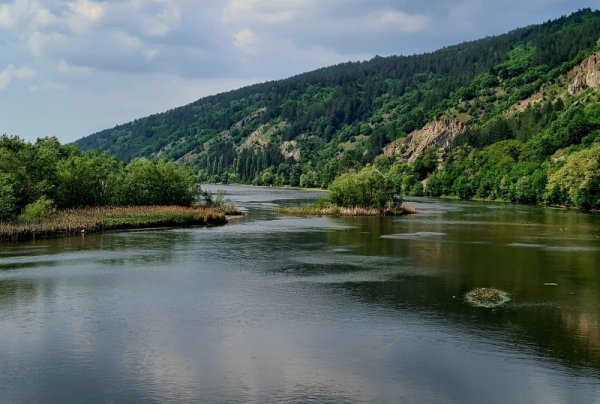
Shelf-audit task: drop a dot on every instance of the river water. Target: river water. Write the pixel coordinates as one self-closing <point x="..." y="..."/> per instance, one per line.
<point x="293" y="309"/>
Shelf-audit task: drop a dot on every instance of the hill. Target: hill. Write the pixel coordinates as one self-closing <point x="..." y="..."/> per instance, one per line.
<point x="480" y="107"/>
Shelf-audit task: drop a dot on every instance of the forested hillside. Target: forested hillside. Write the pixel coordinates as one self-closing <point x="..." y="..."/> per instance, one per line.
<point x="513" y="117"/>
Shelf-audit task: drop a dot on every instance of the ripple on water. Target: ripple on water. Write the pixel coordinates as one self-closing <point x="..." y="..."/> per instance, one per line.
<point x="569" y="248"/>
<point x="413" y="236"/>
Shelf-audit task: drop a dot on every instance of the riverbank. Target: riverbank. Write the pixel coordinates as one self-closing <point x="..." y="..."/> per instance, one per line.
<point x="94" y="220"/>
<point x="334" y="210"/>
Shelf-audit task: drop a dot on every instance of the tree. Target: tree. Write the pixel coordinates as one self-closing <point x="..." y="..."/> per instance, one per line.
<point x="577" y="182"/>
<point x="369" y="188"/>
<point x="7" y="197"/>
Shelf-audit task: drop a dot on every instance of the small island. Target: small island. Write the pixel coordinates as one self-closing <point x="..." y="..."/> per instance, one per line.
<point x="487" y="297"/>
<point x="368" y="192"/>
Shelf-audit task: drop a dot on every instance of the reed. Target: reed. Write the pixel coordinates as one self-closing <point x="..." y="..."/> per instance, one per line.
<point x="93" y="220"/>
<point x="335" y="210"/>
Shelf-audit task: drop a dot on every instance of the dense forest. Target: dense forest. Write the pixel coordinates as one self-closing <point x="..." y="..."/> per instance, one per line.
<point x="37" y="178"/>
<point x="529" y="125"/>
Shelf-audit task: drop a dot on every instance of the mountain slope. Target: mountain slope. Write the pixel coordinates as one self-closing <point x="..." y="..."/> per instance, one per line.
<point x="308" y="129"/>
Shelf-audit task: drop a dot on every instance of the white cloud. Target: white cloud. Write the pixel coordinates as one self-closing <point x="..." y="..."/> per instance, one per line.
<point x="40" y="42"/>
<point x="246" y="41"/>
<point x="65" y="68"/>
<point x="11" y="73"/>
<point x="127" y="40"/>
<point x="6" y="20"/>
<point x="161" y="23"/>
<point x="87" y="9"/>
<point x="83" y="15"/>
<point x="403" y="21"/>
<point x="46" y="85"/>
<point x="267" y="11"/>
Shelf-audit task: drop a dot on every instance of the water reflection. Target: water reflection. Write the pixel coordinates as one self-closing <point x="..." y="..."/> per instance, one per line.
<point x="275" y="308"/>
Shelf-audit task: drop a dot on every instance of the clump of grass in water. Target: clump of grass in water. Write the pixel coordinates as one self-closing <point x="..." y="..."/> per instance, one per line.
<point x="487" y="297"/>
<point x="325" y="208"/>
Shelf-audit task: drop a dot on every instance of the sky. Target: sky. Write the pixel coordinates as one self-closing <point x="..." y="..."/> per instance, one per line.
<point x="71" y="68"/>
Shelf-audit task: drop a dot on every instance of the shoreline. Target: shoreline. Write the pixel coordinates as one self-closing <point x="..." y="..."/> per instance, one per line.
<point x="334" y="210"/>
<point x="97" y="220"/>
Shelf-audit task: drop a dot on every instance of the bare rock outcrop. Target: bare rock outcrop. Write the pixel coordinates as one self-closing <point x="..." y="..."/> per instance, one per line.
<point x="436" y="134"/>
<point x="250" y="118"/>
<point x="290" y="149"/>
<point x="586" y="74"/>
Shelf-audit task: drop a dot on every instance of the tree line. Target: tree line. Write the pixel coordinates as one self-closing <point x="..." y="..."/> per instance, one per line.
<point x="45" y="175"/>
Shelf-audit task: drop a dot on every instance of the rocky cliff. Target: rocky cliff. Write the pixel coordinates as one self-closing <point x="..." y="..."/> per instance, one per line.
<point x="436" y="134"/>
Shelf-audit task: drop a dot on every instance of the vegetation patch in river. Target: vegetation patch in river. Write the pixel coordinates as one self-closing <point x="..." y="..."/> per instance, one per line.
<point x="90" y="220"/>
<point x="335" y="210"/>
<point x="487" y="297"/>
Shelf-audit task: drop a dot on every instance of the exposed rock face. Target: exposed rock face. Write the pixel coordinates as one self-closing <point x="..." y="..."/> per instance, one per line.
<point x="586" y="74"/>
<point x="290" y="149"/>
<point x="250" y="118"/>
<point x="436" y="134"/>
<point x="257" y="139"/>
<point x="261" y="137"/>
<point x="582" y="76"/>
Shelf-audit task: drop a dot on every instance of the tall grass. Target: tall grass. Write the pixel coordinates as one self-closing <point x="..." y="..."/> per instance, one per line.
<point x="91" y="220"/>
<point x="326" y="209"/>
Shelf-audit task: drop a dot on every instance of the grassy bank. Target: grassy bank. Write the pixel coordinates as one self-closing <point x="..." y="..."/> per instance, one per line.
<point x="334" y="210"/>
<point x="92" y="220"/>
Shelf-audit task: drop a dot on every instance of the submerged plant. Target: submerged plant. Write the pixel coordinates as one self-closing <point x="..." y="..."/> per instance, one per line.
<point x="487" y="297"/>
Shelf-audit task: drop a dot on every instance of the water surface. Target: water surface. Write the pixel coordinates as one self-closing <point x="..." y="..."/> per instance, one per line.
<point x="293" y="309"/>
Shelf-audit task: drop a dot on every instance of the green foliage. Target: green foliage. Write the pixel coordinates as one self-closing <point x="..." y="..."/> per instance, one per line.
<point x="340" y="117"/>
<point x="7" y="197"/>
<point x="34" y="175"/>
<point x="369" y="188"/>
<point x="577" y="182"/>
<point x="519" y="59"/>
<point x="38" y="210"/>
<point x="145" y="182"/>
<point x="84" y="180"/>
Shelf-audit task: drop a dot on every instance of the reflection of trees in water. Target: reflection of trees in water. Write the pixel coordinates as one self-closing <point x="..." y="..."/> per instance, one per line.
<point x="144" y="247"/>
<point x="24" y="292"/>
<point x="549" y="330"/>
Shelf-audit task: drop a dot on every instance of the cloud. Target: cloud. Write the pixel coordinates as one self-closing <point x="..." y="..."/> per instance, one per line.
<point x="267" y="11"/>
<point x="87" y="9"/>
<point x="246" y="41"/>
<point x="83" y="15"/>
<point x="403" y="21"/>
<point x="11" y="73"/>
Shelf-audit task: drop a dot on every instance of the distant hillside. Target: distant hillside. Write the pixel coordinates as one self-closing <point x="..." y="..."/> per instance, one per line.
<point x="423" y="109"/>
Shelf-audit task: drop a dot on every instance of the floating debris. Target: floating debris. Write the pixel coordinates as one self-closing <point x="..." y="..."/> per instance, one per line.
<point x="550" y="284"/>
<point x="487" y="297"/>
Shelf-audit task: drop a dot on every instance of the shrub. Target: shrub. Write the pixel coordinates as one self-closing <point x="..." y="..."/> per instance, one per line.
<point x="369" y="188"/>
<point x="38" y="210"/>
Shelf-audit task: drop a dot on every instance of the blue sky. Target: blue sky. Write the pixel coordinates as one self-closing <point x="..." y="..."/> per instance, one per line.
<point x="70" y="68"/>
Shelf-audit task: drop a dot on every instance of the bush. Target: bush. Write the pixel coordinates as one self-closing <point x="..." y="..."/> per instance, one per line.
<point x="38" y="210"/>
<point x="369" y="188"/>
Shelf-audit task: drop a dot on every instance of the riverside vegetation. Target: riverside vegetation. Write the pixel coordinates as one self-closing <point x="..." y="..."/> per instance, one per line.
<point x="368" y="192"/>
<point x="514" y="117"/>
<point x="49" y="189"/>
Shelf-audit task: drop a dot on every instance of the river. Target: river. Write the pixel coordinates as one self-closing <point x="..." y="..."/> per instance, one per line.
<point x="294" y="309"/>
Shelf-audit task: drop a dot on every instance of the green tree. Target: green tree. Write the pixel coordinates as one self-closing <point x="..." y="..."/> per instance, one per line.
<point x="7" y="197"/>
<point x="577" y="182"/>
<point x="369" y="188"/>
